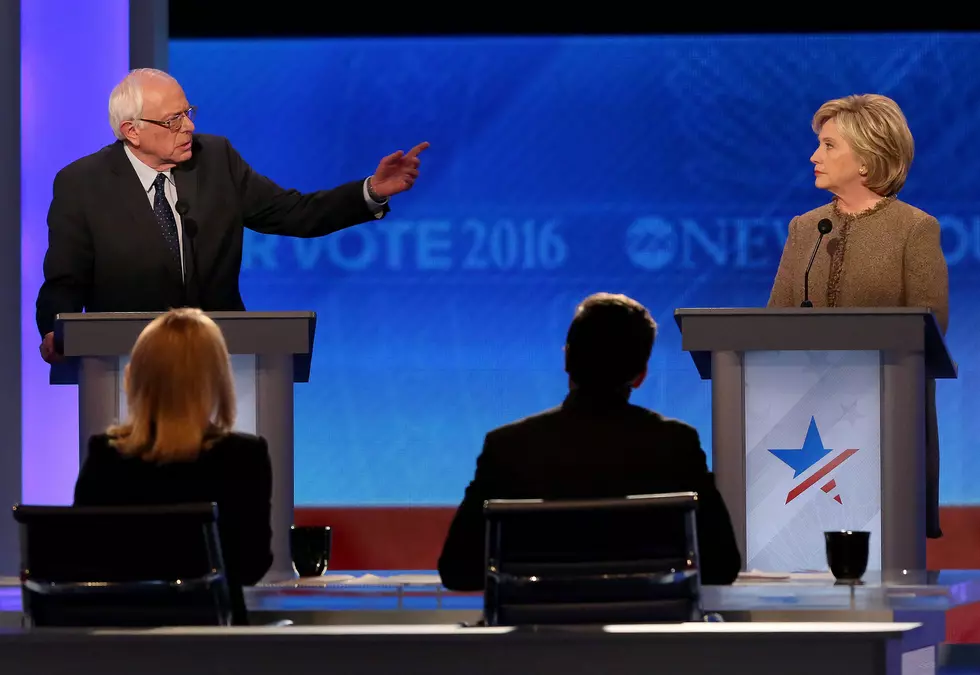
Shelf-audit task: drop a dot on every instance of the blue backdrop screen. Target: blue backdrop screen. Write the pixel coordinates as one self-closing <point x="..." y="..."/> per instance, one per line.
<point x="666" y="168"/>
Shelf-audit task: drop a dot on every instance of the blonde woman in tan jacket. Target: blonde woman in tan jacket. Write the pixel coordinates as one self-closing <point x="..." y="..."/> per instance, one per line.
<point x="881" y="251"/>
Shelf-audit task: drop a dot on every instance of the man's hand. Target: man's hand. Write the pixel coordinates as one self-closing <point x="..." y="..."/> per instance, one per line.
<point x="397" y="172"/>
<point x="48" y="352"/>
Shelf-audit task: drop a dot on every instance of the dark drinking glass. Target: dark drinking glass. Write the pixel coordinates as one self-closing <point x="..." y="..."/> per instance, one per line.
<point x="310" y="548"/>
<point x="847" y="554"/>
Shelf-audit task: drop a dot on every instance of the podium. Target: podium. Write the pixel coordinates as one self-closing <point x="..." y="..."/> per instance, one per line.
<point x="818" y="423"/>
<point x="270" y="351"/>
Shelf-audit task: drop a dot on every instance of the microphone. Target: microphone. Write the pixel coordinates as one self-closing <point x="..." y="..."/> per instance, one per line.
<point x="189" y="226"/>
<point x="823" y="227"/>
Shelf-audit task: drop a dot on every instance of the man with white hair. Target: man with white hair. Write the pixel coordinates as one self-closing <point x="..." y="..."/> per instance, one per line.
<point x="156" y="219"/>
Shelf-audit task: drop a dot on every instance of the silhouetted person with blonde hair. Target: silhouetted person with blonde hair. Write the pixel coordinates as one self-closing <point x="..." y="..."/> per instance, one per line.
<point x="177" y="444"/>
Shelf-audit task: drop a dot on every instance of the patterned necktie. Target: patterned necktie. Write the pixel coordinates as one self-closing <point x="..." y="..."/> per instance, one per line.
<point x="165" y="216"/>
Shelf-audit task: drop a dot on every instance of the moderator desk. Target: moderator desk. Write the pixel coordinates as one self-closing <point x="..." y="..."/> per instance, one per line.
<point x="693" y="649"/>
<point x="918" y="601"/>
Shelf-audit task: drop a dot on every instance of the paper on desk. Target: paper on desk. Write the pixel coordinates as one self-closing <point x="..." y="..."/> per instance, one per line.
<point x="363" y="580"/>
<point x="326" y="579"/>
<point x="758" y="575"/>
<point x="397" y="580"/>
<point x="321" y="581"/>
<point x="811" y="576"/>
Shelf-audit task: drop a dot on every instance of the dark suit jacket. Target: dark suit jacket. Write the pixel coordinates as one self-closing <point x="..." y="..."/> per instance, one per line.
<point x="589" y="447"/>
<point x="236" y="473"/>
<point x="106" y="252"/>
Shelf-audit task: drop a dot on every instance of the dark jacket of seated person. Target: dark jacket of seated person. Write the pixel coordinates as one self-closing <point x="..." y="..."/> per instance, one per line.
<point x="177" y="446"/>
<point x="235" y="473"/>
<point x="595" y="445"/>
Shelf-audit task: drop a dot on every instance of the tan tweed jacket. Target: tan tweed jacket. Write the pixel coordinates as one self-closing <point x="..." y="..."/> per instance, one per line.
<point x="886" y="256"/>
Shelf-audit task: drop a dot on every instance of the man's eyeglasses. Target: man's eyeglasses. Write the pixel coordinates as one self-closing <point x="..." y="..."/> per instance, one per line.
<point x="176" y="122"/>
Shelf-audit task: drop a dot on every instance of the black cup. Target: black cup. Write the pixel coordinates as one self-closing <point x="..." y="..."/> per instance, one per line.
<point x="847" y="554"/>
<point x="310" y="548"/>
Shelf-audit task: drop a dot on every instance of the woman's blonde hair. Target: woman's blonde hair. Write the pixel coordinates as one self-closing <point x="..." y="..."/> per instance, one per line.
<point x="180" y="391"/>
<point x="876" y="129"/>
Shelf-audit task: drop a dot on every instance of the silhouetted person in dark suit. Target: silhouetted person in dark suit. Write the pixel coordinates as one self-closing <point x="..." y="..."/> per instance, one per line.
<point x="177" y="445"/>
<point x="596" y="444"/>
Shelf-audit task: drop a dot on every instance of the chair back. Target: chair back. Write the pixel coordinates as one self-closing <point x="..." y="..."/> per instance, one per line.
<point x="624" y="560"/>
<point x="122" y="566"/>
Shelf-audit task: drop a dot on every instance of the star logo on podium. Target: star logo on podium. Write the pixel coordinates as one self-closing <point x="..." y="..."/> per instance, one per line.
<point x="812" y="454"/>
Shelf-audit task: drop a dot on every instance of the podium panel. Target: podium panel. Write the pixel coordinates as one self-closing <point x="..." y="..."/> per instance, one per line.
<point x="818" y="424"/>
<point x="813" y="454"/>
